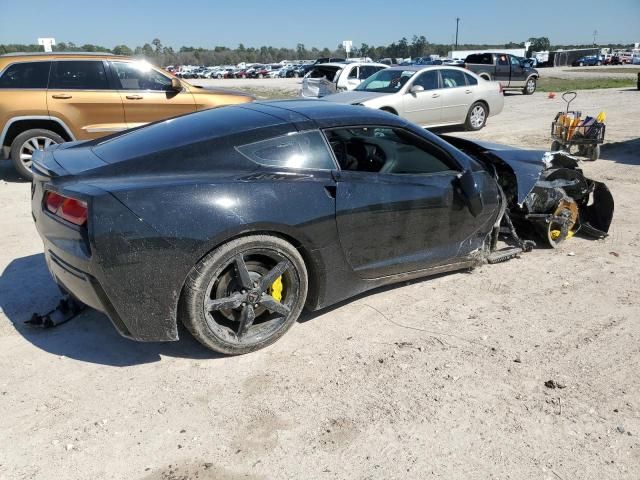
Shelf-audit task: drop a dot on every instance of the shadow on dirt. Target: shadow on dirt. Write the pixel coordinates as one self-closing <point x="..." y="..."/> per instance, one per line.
<point x="627" y="152"/>
<point x="26" y="287"/>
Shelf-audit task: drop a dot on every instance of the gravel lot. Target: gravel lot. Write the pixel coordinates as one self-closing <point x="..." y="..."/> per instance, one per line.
<point x="442" y="378"/>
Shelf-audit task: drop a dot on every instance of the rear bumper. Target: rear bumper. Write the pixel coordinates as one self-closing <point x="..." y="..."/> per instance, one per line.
<point x="104" y="266"/>
<point x="85" y="288"/>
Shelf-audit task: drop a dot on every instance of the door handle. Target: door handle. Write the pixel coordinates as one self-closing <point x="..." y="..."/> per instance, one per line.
<point x="435" y="95"/>
<point x="134" y="97"/>
<point x="62" y="96"/>
<point x="468" y="91"/>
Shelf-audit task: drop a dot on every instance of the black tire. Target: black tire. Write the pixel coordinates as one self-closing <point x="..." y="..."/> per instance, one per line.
<point x="530" y="86"/>
<point x="233" y="292"/>
<point x="556" y="146"/>
<point x="594" y="153"/>
<point x="476" y="117"/>
<point x="27" y="141"/>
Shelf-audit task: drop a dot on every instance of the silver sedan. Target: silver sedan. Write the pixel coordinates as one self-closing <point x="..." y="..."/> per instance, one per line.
<point x="429" y="96"/>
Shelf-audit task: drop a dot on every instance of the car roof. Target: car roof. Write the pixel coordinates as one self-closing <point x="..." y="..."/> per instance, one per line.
<point x="49" y="55"/>
<point x="325" y="114"/>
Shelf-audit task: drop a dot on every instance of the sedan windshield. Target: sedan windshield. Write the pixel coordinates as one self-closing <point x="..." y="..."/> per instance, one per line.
<point x="386" y="81"/>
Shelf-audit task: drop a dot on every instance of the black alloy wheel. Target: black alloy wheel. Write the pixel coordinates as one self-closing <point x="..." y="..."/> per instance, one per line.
<point x="245" y="295"/>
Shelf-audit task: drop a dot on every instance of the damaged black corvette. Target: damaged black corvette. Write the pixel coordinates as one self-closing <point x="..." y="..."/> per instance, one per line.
<point x="233" y="220"/>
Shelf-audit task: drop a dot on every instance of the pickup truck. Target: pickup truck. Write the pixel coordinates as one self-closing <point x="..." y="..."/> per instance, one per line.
<point x="513" y="73"/>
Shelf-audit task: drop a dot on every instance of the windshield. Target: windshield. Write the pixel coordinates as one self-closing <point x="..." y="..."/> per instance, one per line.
<point x="386" y="81"/>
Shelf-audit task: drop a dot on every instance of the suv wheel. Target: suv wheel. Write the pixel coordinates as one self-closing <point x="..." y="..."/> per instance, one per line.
<point x="25" y="145"/>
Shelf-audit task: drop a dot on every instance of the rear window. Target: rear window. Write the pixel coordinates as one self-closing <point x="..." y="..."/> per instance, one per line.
<point x="328" y="72"/>
<point x="480" y="58"/>
<point x="471" y="80"/>
<point x="453" y="78"/>
<point x="175" y="133"/>
<point x="296" y="150"/>
<point x="79" y="75"/>
<point x="26" y="75"/>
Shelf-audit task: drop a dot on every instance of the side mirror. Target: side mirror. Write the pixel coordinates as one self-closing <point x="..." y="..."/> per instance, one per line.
<point x="176" y="85"/>
<point x="471" y="193"/>
<point x="416" y="89"/>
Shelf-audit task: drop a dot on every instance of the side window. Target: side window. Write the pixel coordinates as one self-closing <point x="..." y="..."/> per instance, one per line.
<point x="515" y="61"/>
<point x="353" y="74"/>
<point x="296" y="150"/>
<point x="78" y="75"/>
<point x="140" y="76"/>
<point x="367" y="71"/>
<point x="470" y="79"/>
<point x="502" y="60"/>
<point x="385" y="150"/>
<point x="26" y="75"/>
<point x="428" y="80"/>
<point x="453" y="78"/>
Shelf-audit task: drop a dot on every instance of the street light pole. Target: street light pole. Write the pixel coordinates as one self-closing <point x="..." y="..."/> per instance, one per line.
<point x="595" y="33"/>
<point x="457" y="23"/>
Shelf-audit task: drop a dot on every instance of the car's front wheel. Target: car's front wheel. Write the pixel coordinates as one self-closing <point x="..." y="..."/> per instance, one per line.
<point x="477" y="117"/>
<point x="245" y="294"/>
<point x="26" y="144"/>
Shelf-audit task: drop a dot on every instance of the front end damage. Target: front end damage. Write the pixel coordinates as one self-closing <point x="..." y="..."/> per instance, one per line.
<point x="547" y="197"/>
<point x="564" y="202"/>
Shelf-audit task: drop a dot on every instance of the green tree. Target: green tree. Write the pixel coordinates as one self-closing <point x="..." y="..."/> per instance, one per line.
<point x="158" y="45"/>
<point x="122" y="50"/>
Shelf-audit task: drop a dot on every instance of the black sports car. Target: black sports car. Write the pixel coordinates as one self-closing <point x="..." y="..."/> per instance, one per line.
<point x="232" y="220"/>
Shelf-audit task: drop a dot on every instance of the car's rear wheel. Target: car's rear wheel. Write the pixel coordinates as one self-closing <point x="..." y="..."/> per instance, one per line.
<point x="245" y="294"/>
<point x="477" y="117"/>
<point x="26" y="144"/>
<point x="530" y="87"/>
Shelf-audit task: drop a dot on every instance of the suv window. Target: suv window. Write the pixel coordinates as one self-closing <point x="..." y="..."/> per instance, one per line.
<point x="139" y="76"/>
<point x="515" y="61"/>
<point x="428" y="80"/>
<point x="452" y="78"/>
<point x="26" y="75"/>
<point x="298" y="150"/>
<point x="385" y="150"/>
<point x="353" y="73"/>
<point x="502" y="60"/>
<point x="78" y="75"/>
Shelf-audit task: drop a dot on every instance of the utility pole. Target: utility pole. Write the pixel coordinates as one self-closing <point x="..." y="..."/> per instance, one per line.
<point x="457" y="24"/>
<point x="595" y="34"/>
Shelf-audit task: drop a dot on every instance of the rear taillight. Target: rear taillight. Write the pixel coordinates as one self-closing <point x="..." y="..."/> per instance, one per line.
<point x="70" y="209"/>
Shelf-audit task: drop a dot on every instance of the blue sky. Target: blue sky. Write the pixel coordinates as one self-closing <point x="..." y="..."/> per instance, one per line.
<point x="320" y="23"/>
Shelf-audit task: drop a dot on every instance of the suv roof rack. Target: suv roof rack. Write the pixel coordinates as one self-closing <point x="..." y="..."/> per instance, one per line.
<point x="20" y="54"/>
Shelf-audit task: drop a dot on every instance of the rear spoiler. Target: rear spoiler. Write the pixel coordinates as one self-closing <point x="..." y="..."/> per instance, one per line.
<point x="44" y="166"/>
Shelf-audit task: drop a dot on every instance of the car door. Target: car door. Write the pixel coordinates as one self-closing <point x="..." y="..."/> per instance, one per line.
<point x="147" y="95"/>
<point x="456" y="95"/>
<point x="518" y="73"/>
<point x="503" y="70"/>
<point x="425" y="107"/>
<point x="81" y="95"/>
<point x="397" y="206"/>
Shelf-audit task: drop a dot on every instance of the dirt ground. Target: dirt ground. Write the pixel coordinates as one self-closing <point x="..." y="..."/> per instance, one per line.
<point x="441" y="378"/>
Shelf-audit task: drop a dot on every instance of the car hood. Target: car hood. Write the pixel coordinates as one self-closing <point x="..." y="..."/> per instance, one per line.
<point x="354" y="97"/>
<point x="527" y="165"/>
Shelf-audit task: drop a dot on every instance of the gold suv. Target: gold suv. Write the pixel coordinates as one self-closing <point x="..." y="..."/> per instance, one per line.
<point x="49" y="98"/>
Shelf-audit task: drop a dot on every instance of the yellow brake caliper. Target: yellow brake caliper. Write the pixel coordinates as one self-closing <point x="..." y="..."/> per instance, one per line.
<point x="276" y="289"/>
